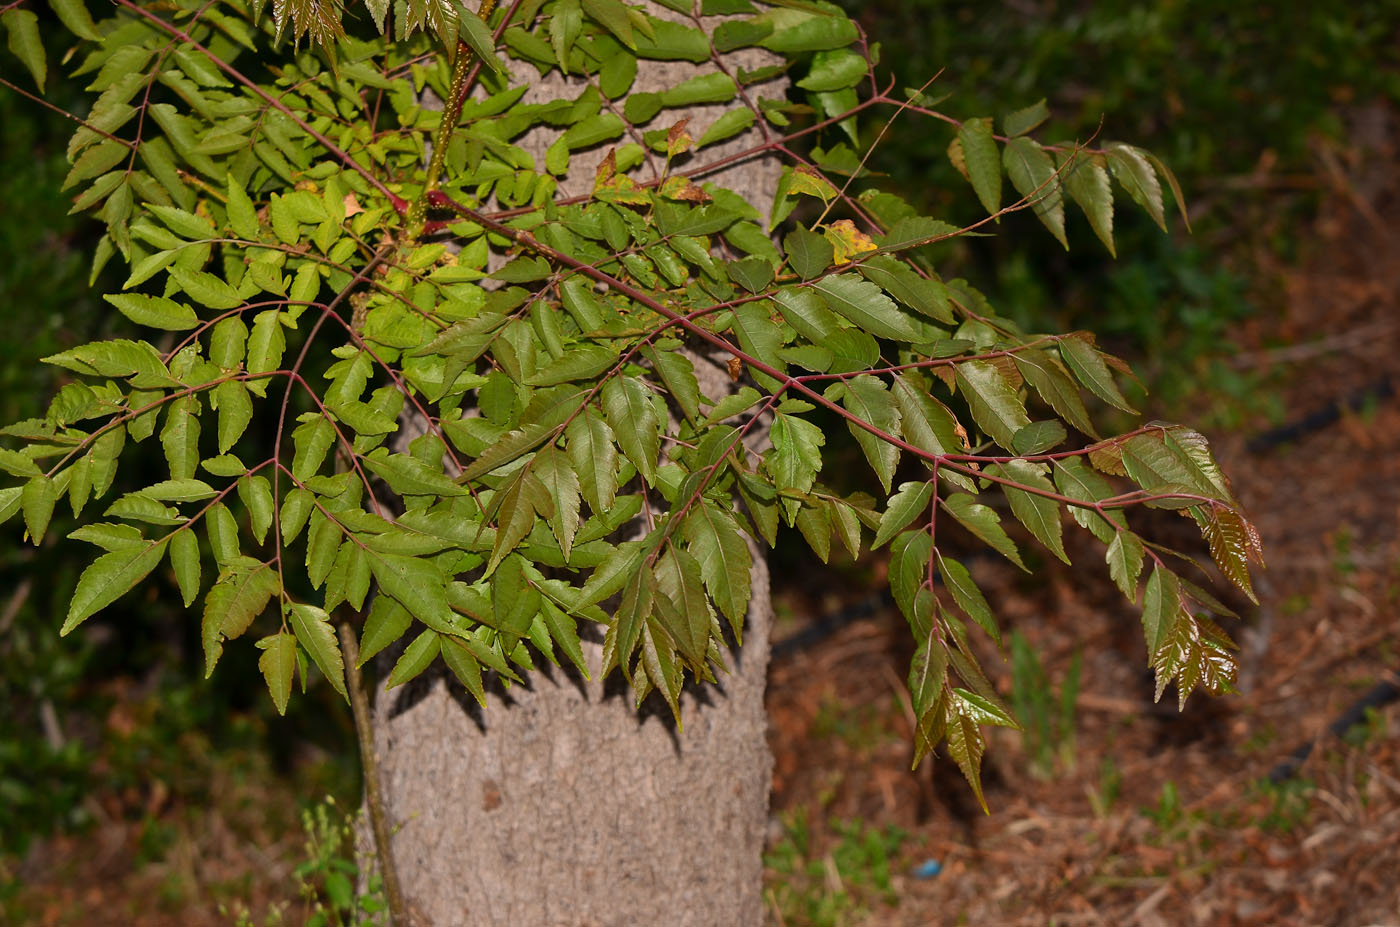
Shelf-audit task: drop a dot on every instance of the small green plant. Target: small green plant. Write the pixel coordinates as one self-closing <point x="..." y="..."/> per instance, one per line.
<point x="1105" y="795"/>
<point x="1290" y="804"/>
<point x="1047" y="717"/>
<point x="863" y="727"/>
<point x="836" y="887"/>
<point x="1167" y="813"/>
<point x="1369" y="730"/>
<point x="337" y="880"/>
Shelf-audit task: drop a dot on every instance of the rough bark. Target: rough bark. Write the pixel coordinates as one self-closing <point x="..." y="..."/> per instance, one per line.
<point x="561" y="804"/>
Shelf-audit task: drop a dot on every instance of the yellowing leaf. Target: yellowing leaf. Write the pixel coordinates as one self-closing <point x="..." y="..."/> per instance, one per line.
<point x="847" y="240"/>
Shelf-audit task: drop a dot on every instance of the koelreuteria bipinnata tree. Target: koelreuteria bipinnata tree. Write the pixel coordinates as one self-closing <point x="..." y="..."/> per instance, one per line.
<point x="313" y="251"/>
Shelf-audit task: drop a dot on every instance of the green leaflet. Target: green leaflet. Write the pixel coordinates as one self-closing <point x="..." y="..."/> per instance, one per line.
<point x="416" y="583"/>
<point x="1073" y="478"/>
<point x="22" y="26"/>
<point x="1039" y="514"/>
<point x="969" y="598"/>
<point x="1161" y="608"/>
<point x="313" y="630"/>
<point x="868" y="400"/>
<point x="1044" y="373"/>
<point x="909" y="568"/>
<point x="981" y="163"/>
<point x="1032" y="173"/>
<point x="612" y="574"/>
<point x="627" y="403"/>
<point x="1024" y="120"/>
<point x="184" y="560"/>
<point x="278" y="663"/>
<point x="678" y="373"/>
<point x="242" y="215"/>
<point x="77" y="19"/>
<point x="808" y="253"/>
<point x="911" y="502"/>
<point x="479" y="39"/>
<point x="717" y="543"/>
<point x="993" y="403"/>
<point x="386" y="623"/>
<point x="108" y="578"/>
<point x="416" y="658"/>
<point x="1124" y="556"/>
<point x="796" y="456"/>
<point x="206" y="289"/>
<point x="235" y="412"/>
<point x="863" y="303"/>
<point x="1135" y="175"/>
<point x="984" y="523"/>
<point x="593" y="454"/>
<point x="683" y="608"/>
<point x="560" y="481"/>
<point x="464" y="665"/>
<point x="1089" y="368"/>
<point x="410" y="476"/>
<point x="834" y="70"/>
<point x="154" y="311"/>
<point x="1086" y="180"/>
<point x="927" y="295"/>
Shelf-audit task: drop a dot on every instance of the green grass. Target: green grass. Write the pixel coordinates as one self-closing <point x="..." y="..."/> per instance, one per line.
<point x="835" y="888"/>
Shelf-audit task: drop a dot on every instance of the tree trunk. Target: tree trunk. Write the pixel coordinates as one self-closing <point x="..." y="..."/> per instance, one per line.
<point x="561" y="804"/>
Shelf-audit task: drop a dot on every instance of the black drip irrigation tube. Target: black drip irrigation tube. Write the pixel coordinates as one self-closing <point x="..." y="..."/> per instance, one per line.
<point x="1316" y="421"/>
<point x="1383" y="693"/>
<point x="830" y="623"/>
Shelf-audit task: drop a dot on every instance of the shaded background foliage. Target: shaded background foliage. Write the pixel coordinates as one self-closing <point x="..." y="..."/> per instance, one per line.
<point x="1240" y="99"/>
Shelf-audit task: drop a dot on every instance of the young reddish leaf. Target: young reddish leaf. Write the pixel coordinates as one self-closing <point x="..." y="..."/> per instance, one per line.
<point x="1233" y="543"/>
<point x="966" y="746"/>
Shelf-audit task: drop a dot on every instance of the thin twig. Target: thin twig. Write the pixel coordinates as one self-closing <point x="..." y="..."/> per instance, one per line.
<point x="374" y="792"/>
